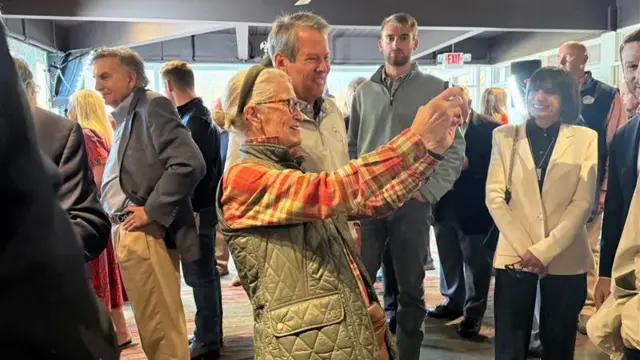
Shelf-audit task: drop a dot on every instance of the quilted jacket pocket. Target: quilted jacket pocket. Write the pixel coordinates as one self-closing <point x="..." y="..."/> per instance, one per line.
<point x="307" y="314"/>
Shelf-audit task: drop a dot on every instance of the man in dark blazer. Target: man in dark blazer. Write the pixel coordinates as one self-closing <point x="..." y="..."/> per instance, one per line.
<point x="152" y="169"/>
<point x="61" y="140"/>
<point x="461" y="223"/>
<point x="49" y="311"/>
<point x="622" y="172"/>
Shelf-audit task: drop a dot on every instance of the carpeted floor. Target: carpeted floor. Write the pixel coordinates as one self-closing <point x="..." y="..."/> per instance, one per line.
<point x="441" y="341"/>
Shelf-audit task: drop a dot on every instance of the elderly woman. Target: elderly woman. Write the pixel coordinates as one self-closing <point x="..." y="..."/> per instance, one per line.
<point x="287" y="230"/>
<point x="540" y="191"/>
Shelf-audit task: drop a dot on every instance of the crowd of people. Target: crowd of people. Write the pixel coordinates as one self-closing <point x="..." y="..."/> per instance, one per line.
<point x="312" y="200"/>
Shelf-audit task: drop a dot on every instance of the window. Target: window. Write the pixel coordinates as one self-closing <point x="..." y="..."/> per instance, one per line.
<point x="37" y="61"/>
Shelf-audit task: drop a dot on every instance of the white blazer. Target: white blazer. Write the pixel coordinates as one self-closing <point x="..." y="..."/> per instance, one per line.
<point x="551" y="225"/>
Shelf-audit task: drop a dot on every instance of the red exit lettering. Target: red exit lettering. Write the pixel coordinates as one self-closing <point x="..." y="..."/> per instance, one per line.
<point x="454" y="58"/>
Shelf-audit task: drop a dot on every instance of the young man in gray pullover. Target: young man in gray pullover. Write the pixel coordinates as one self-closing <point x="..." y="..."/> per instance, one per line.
<point x="382" y="108"/>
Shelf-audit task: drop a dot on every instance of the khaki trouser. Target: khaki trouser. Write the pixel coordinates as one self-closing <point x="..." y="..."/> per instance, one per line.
<point x="222" y="252"/>
<point x="593" y="235"/>
<point x="151" y="275"/>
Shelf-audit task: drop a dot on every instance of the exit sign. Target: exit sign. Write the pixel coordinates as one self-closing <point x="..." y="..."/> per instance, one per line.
<point x="453" y="59"/>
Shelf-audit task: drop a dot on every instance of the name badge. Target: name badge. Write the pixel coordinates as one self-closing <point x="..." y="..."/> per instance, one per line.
<point x="588" y="100"/>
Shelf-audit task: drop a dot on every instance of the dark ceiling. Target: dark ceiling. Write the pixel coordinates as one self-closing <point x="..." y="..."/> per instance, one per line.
<point x="232" y="30"/>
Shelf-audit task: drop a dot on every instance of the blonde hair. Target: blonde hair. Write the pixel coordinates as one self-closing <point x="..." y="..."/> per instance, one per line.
<point x="263" y="90"/>
<point x="27" y="80"/>
<point x="494" y="102"/>
<point x="92" y="114"/>
<point x="179" y="72"/>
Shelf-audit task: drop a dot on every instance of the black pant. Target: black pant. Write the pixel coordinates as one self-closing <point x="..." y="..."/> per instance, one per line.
<point x="632" y="354"/>
<point x="562" y="298"/>
<point x="465" y="270"/>
<point x="202" y="275"/>
<point x="405" y="232"/>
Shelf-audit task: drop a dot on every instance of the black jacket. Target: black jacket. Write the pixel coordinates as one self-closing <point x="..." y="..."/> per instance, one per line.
<point x="464" y="204"/>
<point x="621" y="183"/>
<point x="197" y="118"/>
<point x="160" y="166"/>
<point x="49" y="310"/>
<point x="61" y="140"/>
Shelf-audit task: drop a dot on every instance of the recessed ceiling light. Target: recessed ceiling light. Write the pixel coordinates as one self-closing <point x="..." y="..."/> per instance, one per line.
<point x="302" y="2"/>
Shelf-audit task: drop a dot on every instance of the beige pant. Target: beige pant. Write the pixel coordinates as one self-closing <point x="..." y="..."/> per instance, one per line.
<point x="593" y="234"/>
<point x="151" y="276"/>
<point x="222" y="252"/>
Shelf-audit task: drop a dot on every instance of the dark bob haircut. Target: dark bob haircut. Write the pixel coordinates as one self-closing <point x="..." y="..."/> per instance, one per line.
<point x="561" y="83"/>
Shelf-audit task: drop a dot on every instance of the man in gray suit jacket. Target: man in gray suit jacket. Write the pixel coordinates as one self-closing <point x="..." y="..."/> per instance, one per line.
<point x="152" y="169"/>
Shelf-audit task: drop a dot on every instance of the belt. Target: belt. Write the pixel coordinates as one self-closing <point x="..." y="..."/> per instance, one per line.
<point x="118" y="218"/>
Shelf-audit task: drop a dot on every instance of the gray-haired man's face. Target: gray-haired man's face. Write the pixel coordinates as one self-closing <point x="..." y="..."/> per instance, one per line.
<point x="310" y="68"/>
<point x="113" y="81"/>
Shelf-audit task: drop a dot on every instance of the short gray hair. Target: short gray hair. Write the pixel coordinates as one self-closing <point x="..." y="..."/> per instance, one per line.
<point x="282" y="38"/>
<point x="129" y="59"/>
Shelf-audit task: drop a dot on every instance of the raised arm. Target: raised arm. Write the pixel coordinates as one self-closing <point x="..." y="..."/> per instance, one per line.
<point x="256" y="194"/>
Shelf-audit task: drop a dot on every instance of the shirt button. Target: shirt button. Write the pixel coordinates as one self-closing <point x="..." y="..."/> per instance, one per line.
<point x="279" y="326"/>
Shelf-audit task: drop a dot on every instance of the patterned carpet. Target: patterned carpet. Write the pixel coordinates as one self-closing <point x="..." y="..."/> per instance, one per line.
<point x="238" y="319"/>
<point x="441" y="341"/>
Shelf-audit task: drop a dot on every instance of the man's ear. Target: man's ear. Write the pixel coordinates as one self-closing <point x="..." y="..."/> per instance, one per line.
<point x="169" y="85"/>
<point x="280" y="61"/>
<point x="133" y="78"/>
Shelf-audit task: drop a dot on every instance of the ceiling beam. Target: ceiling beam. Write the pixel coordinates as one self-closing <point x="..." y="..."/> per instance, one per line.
<point x="44" y="34"/>
<point x="242" y="39"/>
<point x="513" y="46"/>
<point x="628" y="13"/>
<point x="126" y="34"/>
<point x="574" y="15"/>
<point x="432" y="41"/>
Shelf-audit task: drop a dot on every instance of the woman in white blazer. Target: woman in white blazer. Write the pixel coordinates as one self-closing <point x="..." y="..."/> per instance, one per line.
<point x="549" y="164"/>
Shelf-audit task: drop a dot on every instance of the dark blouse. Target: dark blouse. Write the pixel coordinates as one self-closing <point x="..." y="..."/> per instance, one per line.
<point x="542" y="142"/>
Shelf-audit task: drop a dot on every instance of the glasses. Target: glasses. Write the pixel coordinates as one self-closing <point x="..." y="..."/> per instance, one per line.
<point x="293" y="104"/>
<point x="515" y="270"/>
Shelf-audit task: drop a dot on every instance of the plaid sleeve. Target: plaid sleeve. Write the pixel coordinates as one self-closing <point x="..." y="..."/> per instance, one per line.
<point x="255" y="194"/>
